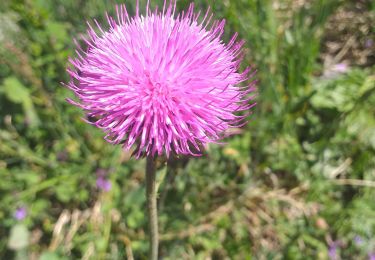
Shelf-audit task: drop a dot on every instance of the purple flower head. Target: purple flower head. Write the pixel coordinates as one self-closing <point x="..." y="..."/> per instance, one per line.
<point x="20" y="213"/>
<point x="371" y="256"/>
<point x="103" y="184"/>
<point x="332" y="250"/>
<point x="340" y="68"/>
<point x="369" y="43"/>
<point x="101" y="181"/>
<point x="162" y="82"/>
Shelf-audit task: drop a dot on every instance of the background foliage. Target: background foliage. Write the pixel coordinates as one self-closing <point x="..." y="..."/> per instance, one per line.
<point x="297" y="182"/>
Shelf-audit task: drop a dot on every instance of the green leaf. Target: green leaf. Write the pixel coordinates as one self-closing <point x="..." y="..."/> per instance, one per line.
<point x="49" y="256"/>
<point x="31" y="114"/>
<point x="15" y="91"/>
<point x="58" y="33"/>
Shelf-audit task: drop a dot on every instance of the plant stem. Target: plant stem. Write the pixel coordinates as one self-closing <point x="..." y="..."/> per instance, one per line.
<point x="152" y="207"/>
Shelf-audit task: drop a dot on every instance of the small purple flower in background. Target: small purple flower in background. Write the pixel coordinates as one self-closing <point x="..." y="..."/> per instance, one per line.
<point x="20" y="213"/>
<point x="358" y="240"/>
<point x="371" y="256"/>
<point x="332" y="250"/>
<point x="336" y="70"/>
<point x="340" y="68"/>
<point x="102" y="182"/>
<point x="162" y="82"/>
<point x="369" y="43"/>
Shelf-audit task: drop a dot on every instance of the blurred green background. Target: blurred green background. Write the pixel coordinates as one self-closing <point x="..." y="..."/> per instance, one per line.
<point x="298" y="182"/>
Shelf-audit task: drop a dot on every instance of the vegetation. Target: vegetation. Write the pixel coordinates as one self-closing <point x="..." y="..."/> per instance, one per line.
<point x="297" y="182"/>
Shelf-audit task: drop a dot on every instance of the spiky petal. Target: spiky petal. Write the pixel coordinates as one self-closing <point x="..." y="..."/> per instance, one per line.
<point x="161" y="82"/>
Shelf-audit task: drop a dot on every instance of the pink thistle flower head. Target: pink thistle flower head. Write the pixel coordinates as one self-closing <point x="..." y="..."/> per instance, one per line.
<point x="161" y="82"/>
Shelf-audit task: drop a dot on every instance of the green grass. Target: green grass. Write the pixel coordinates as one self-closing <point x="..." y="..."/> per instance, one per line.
<point x="299" y="176"/>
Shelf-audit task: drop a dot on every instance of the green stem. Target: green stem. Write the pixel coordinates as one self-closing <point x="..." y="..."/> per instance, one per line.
<point x="152" y="208"/>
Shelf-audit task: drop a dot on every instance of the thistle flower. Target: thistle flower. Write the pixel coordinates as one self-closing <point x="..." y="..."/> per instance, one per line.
<point x="161" y="82"/>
